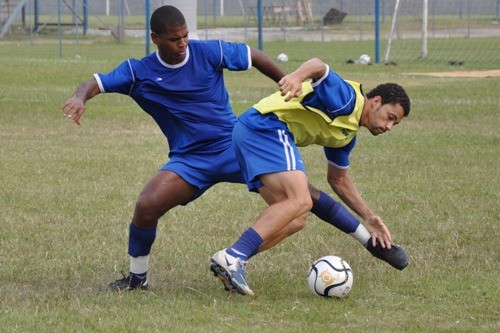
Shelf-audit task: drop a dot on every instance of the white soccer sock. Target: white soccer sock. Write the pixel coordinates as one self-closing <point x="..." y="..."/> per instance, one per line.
<point x="139" y="265"/>
<point x="361" y="234"/>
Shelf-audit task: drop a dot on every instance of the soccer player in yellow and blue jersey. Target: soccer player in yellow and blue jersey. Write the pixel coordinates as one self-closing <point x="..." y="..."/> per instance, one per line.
<point x="327" y="111"/>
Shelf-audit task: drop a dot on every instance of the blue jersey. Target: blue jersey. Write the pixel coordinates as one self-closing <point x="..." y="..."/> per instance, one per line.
<point x="188" y="100"/>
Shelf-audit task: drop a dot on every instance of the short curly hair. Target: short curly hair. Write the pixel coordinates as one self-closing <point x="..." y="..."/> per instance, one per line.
<point x="392" y="93"/>
<point x="166" y="17"/>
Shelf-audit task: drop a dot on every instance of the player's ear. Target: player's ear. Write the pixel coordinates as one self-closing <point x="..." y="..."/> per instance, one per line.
<point x="154" y="37"/>
<point x="376" y="102"/>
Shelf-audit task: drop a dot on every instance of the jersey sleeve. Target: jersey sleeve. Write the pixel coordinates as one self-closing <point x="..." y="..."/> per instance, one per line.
<point x="119" y="80"/>
<point x="335" y="93"/>
<point x="339" y="157"/>
<point x="235" y="56"/>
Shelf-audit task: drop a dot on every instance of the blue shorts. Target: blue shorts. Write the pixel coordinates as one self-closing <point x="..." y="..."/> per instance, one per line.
<point x="205" y="169"/>
<point x="263" y="145"/>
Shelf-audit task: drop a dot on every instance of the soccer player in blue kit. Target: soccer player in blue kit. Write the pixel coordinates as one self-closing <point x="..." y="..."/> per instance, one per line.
<point x="314" y="106"/>
<point x="181" y="86"/>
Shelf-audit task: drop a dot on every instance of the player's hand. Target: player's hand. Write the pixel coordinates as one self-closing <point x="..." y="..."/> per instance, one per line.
<point x="379" y="231"/>
<point x="290" y="86"/>
<point x="73" y="109"/>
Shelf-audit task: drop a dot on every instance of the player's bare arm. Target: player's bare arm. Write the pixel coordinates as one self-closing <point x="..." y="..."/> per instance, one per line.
<point x="74" y="108"/>
<point x="343" y="186"/>
<point x="265" y="65"/>
<point x="291" y="84"/>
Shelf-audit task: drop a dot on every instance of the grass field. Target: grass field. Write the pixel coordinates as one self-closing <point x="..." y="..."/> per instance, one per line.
<point x="68" y="192"/>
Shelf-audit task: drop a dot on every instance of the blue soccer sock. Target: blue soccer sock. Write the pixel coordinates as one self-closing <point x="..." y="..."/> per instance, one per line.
<point x="139" y="248"/>
<point x="247" y="246"/>
<point x="337" y="215"/>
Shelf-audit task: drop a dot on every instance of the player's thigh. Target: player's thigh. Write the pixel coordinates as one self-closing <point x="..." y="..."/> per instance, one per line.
<point x="165" y="190"/>
<point x="286" y="185"/>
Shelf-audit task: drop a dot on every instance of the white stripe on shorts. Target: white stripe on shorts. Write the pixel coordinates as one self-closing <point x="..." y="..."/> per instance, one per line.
<point x="289" y="152"/>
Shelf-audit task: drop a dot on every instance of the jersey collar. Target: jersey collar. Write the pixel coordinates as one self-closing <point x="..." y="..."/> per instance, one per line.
<point x="176" y="65"/>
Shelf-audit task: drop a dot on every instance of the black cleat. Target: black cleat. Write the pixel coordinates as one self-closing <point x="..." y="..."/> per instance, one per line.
<point x="122" y="285"/>
<point x="396" y="256"/>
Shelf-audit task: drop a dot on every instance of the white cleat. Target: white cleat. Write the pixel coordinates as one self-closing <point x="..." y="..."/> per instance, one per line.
<point x="231" y="271"/>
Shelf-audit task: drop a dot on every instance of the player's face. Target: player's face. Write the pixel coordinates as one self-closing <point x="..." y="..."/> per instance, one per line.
<point x="384" y="117"/>
<point x="172" y="44"/>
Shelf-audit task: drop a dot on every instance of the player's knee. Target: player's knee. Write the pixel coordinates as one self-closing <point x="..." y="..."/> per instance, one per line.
<point x="303" y="204"/>
<point x="146" y="209"/>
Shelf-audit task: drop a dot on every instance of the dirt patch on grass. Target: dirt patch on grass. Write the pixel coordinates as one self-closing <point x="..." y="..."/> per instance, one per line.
<point x="474" y="74"/>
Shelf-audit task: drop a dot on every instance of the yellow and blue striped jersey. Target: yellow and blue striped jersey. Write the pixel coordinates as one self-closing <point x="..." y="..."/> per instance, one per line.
<point x="327" y="113"/>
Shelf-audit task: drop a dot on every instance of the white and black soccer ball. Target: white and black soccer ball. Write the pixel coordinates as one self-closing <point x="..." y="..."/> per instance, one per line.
<point x="282" y="57"/>
<point x="364" y="59"/>
<point x="330" y="276"/>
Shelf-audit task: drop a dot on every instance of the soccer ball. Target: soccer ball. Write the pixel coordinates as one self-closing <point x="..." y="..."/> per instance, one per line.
<point x="282" y="57"/>
<point x="364" y="59"/>
<point x="330" y="276"/>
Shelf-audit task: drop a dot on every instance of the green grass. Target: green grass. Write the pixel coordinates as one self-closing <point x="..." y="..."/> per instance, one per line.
<point x="68" y="193"/>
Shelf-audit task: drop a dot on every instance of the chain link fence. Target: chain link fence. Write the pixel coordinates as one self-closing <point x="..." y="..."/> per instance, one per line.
<point x="282" y="21"/>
